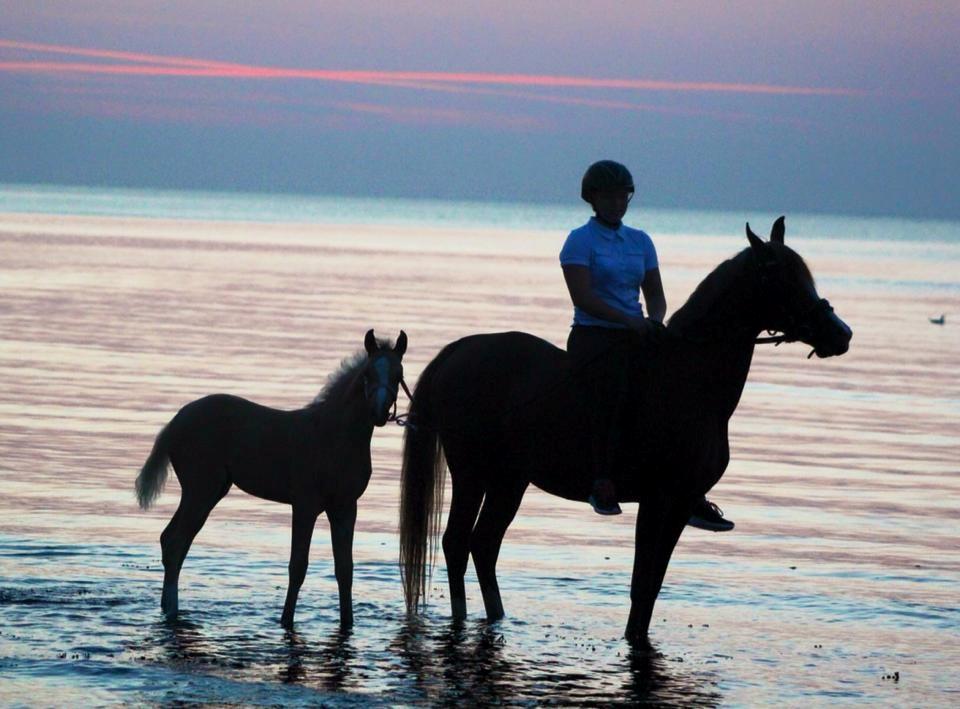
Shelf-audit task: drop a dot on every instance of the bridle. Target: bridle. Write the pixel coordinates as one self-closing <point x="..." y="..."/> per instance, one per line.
<point x="797" y="319"/>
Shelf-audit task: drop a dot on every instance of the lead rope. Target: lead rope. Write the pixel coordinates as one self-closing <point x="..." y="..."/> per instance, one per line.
<point x="401" y="419"/>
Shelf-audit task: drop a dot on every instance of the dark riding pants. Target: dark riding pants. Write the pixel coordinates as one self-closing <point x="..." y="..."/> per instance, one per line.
<point x="603" y="359"/>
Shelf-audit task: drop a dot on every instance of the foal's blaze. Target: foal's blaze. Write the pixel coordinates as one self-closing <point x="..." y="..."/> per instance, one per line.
<point x="382" y="376"/>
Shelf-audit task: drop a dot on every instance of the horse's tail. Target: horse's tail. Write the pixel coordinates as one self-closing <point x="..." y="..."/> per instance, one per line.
<point x="421" y="487"/>
<point x="153" y="474"/>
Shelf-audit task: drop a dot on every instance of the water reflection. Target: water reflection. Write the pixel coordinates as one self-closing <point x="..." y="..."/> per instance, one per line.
<point x="651" y="680"/>
<point x="475" y="666"/>
<point x="181" y="639"/>
<point x="336" y="659"/>
<point x="477" y="662"/>
<point x="457" y="662"/>
<point x="292" y="670"/>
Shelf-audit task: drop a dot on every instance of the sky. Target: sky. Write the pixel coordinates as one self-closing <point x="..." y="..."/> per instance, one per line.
<point x="848" y="107"/>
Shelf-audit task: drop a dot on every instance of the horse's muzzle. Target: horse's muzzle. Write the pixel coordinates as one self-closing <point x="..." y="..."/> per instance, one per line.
<point x="834" y="337"/>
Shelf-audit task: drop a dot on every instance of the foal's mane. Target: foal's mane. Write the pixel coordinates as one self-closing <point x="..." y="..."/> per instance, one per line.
<point x="341" y="380"/>
<point x="710" y="303"/>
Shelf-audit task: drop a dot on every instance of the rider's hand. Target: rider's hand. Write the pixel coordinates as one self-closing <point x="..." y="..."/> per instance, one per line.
<point x="646" y="328"/>
<point x="641" y="326"/>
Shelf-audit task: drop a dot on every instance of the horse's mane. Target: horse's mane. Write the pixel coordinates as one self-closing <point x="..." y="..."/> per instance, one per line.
<point x="340" y="380"/>
<point x="710" y="303"/>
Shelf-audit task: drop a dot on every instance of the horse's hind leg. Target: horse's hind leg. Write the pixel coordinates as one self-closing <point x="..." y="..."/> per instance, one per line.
<point x="499" y="508"/>
<point x="175" y="540"/>
<point x="168" y="599"/>
<point x="464" y="506"/>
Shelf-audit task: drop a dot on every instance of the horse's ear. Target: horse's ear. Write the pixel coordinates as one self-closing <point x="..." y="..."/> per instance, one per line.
<point x="776" y="233"/>
<point x="370" y="342"/>
<point x="401" y="345"/>
<point x="755" y="241"/>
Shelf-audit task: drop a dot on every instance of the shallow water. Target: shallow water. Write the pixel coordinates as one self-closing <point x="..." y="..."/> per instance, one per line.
<point x="843" y="569"/>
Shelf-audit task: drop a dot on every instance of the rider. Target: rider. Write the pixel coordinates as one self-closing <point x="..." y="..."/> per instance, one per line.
<point x="606" y="264"/>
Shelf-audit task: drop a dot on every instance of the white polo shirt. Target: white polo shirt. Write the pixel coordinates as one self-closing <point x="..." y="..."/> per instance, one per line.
<point x="618" y="260"/>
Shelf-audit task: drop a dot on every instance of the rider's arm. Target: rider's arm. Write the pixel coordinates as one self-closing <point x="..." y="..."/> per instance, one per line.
<point x="653" y="297"/>
<point x="584" y="297"/>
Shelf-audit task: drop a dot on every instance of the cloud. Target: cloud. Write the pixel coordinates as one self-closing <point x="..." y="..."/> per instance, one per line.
<point x="160" y="65"/>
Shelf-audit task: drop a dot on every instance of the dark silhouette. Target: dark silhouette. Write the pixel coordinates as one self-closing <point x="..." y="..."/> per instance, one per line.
<point x="316" y="459"/>
<point x="501" y="411"/>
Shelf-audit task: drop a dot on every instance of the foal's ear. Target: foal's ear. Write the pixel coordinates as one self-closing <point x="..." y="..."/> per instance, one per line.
<point x="755" y="241"/>
<point x="776" y="233"/>
<point x="401" y="345"/>
<point x="370" y="342"/>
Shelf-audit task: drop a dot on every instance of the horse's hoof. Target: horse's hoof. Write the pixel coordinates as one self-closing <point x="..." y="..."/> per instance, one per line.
<point x="639" y="642"/>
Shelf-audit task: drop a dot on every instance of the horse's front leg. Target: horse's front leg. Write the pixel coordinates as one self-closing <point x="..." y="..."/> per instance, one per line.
<point x="304" y="519"/>
<point x="660" y="521"/>
<point x="343" y="518"/>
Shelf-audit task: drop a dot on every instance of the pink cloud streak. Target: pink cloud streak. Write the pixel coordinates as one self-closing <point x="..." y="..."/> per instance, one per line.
<point x="159" y="65"/>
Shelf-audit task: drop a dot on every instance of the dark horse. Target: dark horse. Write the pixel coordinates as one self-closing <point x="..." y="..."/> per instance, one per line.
<point x="316" y="459"/>
<point x="500" y="410"/>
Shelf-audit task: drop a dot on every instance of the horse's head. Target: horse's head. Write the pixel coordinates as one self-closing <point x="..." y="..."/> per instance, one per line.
<point x="790" y="303"/>
<point x="382" y="376"/>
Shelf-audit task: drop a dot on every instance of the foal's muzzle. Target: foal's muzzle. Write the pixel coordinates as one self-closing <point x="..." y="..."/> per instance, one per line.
<point x="380" y="399"/>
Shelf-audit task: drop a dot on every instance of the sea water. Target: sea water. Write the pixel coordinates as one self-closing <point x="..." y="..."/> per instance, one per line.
<point x="839" y="583"/>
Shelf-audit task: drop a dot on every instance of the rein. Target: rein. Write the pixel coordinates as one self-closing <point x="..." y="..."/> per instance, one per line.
<point x="795" y="327"/>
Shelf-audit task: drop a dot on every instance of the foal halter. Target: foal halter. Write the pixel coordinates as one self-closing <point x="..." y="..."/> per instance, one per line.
<point x="401" y="419"/>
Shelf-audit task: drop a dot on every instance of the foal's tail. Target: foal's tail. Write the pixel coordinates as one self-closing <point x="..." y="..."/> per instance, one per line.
<point x="421" y="487"/>
<point x="153" y="474"/>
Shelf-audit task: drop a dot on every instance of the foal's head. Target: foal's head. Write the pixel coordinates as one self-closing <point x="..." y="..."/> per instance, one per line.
<point x="382" y="374"/>
<point x="789" y="300"/>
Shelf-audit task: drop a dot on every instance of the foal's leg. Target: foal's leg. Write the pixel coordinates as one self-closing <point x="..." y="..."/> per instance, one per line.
<point x="342" y="521"/>
<point x="464" y="506"/>
<point x="195" y="505"/>
<point x="304" y="519"/>
<point x="499" y="508"/>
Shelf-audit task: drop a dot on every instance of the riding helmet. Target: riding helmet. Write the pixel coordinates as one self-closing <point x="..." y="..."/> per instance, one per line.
<point x="605" y="176"/>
